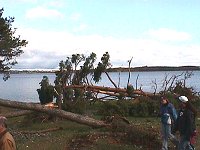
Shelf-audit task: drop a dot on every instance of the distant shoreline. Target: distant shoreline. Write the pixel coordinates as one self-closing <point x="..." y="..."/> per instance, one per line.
<point x="156" y="68"/>
<point x="120" y="69"/>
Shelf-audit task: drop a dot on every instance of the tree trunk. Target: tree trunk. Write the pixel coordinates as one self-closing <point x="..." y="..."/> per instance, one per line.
<point x="129" y="70"/>
<point x="110" y="79"/>
<point x="115" y="90"/>
<point x="56" y="112"/>
<point x="16" y="113"/>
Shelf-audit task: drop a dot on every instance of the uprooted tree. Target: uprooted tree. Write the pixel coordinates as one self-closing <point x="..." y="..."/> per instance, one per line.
<point x="69" y="78"/>
<point x="74" y="84"/>
<point x="55" y="112"/>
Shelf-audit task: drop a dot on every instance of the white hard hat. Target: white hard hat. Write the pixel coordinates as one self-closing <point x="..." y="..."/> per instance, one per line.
<point x="183" y="99"/>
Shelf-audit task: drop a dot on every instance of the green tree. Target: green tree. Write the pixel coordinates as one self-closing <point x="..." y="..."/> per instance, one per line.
<point x="102" y="67"/>
<point x="63" y="76"/>
<point x="10" y="46"/>
<point x="76" y="59"/>
<point x="87" y="68"/>
<point x="67" y="76"/>
<point x="46" y="92"/>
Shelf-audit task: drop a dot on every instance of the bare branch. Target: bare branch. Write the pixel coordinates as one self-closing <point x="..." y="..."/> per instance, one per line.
<point x="129" y="70"/>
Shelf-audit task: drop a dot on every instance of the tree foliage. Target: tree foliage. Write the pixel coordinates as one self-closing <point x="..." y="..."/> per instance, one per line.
<point x="102" y="66"/>
<point x="46" y="92"/>
<point x="68" y="74"/>
<point x="76" y="59"/>
<point x="87" y="67"/>
<point x="63" y="76"/>
<point x="10" y="46"/>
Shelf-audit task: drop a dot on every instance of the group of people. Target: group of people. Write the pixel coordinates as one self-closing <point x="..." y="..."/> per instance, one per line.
<point x="182" y="121"/>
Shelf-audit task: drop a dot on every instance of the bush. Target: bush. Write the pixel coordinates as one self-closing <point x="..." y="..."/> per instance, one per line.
<point x="140" y="107"/>
<point x="77" y="106"/>
<point x="46" y="92"/>
<point x="143" y="107"/>
<point x="67" y="95"/>
<point x="109" y="108"/>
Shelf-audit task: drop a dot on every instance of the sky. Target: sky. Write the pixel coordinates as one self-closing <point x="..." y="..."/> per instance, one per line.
<point x="152" y="32"/>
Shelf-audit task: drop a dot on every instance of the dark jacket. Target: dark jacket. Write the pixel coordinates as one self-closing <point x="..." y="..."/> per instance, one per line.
<point x="185" y="123"/>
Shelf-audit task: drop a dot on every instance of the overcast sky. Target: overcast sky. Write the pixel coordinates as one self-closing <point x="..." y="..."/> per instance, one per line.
<point x="153" y="32"/>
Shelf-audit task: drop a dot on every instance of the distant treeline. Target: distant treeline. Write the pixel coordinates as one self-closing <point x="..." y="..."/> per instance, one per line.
<point x="155" y="68"/>
<point x="124" y="69"/>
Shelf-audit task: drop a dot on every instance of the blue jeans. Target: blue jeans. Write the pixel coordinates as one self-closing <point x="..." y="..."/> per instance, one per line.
<point x="184" y="144"/>
<point x="166" y="134"/>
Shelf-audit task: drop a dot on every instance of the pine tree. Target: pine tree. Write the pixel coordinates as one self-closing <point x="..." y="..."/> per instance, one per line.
<point x="10" y="46"/>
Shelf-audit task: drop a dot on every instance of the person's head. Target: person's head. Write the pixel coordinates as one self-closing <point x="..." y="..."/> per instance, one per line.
<point x="164" y="100"/>
<point x="3" y="122"/>
<point x="183" y="101"/>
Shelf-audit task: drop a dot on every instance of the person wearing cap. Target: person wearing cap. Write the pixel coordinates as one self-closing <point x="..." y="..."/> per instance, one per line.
<point x="7" y="141"/>
<point x="168" y="117"/>
<point x="185" y="123"/>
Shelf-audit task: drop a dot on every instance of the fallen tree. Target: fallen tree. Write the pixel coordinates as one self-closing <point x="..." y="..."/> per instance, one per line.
<point x="55" y="112"/>
<point x="108" y="90"/>
<point x="17" y="113"/>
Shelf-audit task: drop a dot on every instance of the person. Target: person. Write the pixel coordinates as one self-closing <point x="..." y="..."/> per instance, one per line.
<point x="168" y="117"/>
<point x="185" y="124"/>
<point x="6" y="139"/>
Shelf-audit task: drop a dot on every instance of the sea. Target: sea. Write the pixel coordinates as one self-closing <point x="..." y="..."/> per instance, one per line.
<point x="23" y="86"/>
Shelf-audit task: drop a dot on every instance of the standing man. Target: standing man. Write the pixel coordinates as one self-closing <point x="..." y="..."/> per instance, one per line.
<point x="185" y="123"/>
<point x="168" y="117"/>
<point x="6" y="139"/>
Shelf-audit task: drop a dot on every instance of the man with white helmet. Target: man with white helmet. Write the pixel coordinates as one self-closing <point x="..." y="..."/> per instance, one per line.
<point x="185" y="123"/>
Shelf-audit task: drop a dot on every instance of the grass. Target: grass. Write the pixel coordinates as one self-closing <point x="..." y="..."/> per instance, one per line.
<point x="81" y="136"/>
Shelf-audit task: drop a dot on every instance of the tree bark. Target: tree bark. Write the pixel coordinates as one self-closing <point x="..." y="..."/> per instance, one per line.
<point x="17" y="113"/>
<point x="110" y="79"/>
<point x="115" y="90"/>
<point x="129" y="70"/>
<point x="56" y="112"/>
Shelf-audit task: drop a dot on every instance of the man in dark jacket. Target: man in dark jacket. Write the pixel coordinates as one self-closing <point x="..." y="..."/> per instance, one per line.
<point x="185" y="124"/>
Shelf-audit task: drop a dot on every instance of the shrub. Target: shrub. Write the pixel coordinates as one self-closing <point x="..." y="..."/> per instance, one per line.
<point x="143" y="107"/>
<point x="46" y="92"/>
<point x="68" y="95"/>
<point x="140" y="107"/>
<point x="77" y="106"/>
<point x="110" y="108"/>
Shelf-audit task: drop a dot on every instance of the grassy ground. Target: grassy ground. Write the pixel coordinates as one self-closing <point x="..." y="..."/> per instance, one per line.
<point x="75" y="136"/>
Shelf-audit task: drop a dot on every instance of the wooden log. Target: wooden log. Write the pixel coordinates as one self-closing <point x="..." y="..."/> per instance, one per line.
<point x="116" y="90"/>
<point x="56" y="112"/>
<point x="16" y="113"/>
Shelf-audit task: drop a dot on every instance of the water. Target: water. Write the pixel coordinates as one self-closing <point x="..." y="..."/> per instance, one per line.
<point x="22" y="87"/>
